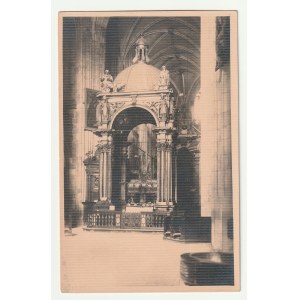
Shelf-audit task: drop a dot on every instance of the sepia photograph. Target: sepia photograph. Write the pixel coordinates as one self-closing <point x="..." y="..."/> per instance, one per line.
<point x="149" y="151"/>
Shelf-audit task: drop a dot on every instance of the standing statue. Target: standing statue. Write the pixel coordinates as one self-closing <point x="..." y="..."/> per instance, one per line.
<point x="102" y="112"/>
<point x="106" y="82"/>
<point x="172" y="106"/>
<point x="163" y="109"/>
<point x="105" y="110"/>
<point x="99" y="113"/>
<point x="164" y="77"/>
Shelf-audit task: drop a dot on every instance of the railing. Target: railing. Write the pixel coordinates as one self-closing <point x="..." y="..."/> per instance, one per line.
<point x="153" y="220"/>
<point x="103" y="219"/>
<point x="123" y="220"/>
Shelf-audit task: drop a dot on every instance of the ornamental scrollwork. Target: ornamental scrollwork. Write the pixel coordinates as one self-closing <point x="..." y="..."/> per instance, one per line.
<point x="115" y="106"/>
<point x="154" y="106"/>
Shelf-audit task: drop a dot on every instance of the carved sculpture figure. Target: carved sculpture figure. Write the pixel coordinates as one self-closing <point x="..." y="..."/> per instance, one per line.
<point x="99" y="113"/>
<point x="117" y="87"/>
<point x="164" y="77"/>
<point x="105" y="110"/>
<point x="163" y="109"/>
<point x="89" y="155"/>
<point x="106" y="82"/>
<point x="171" y="106"/>
<point x="102" y="111"/>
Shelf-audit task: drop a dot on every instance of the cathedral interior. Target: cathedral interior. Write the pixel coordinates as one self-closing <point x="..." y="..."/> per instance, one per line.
<point x="138" y="141"/>
<point x="147" y="151"/>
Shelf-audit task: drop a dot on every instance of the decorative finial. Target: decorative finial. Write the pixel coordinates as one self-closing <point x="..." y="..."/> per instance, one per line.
<point x="141" y="51"/>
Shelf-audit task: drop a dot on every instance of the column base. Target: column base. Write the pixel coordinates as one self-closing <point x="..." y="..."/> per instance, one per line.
<point x="187" y="227"/>
<point x="104" y="205"/>
<point x="164" y="206"/>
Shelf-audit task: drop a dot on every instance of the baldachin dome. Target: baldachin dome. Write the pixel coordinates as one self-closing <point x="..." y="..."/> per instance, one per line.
<point x="139" y="77"/>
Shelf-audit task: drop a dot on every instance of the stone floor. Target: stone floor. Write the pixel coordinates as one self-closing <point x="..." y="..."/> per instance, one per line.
<point x="101" y="261"/>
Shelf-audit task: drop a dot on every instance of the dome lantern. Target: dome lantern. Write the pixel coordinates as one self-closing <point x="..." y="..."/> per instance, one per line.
<point x="140" y="76"/>
<point x="141" y="51"/>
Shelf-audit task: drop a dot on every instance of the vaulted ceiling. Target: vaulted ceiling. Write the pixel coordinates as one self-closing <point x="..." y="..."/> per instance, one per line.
<point x="172" y="41"/>
<point x="97" y="43"/>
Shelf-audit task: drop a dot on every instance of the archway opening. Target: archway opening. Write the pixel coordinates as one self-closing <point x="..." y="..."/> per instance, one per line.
<point x="134" y="157"/>
<point x="141" y="164"/>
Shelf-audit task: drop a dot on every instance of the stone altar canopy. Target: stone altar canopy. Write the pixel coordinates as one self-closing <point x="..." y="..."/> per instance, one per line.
<point x="139" y="94"/>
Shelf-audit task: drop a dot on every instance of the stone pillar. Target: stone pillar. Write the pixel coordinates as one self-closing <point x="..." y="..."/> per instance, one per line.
<point x="164" y="173"/>
<point x="88" y="187"/>
<point x="223" y="204"/>
<point x="123" y="174"/>
<point x="164" y="169"/>
<point x="100" y="174"/>
<point x="215" y="165"/>
<point x="196" y="180"/>
<point x="105" y="146"/>
<point x="207" y="113"/>
<point x="175" y="176"/>
<point x="168" y="174"/>
<point x="109" y="173"/>
<point x="105" y="173"/>
<point x="85" y="57"/>
<point x="158" y="168"/>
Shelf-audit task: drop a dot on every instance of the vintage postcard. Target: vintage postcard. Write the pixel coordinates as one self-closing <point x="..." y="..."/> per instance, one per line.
<point x="149" y="156"/>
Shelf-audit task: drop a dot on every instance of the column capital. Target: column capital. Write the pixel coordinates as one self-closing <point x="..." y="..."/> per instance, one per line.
<point x="104" y="147"/>
<point x="105" y="142"/>
<point x="103" y="132"/>
<point x="164" y="145"/>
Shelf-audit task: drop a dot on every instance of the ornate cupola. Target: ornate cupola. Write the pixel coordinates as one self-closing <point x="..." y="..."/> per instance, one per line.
<point x="141" y="51"/>
<point x="140" y="76"/>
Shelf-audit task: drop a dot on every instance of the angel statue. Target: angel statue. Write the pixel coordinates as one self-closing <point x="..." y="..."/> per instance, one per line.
<point x="106" y="82"/>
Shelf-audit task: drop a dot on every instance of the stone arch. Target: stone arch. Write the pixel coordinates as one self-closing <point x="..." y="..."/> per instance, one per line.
<point x="122" y="123"/>
<point x="142" y="107"/>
